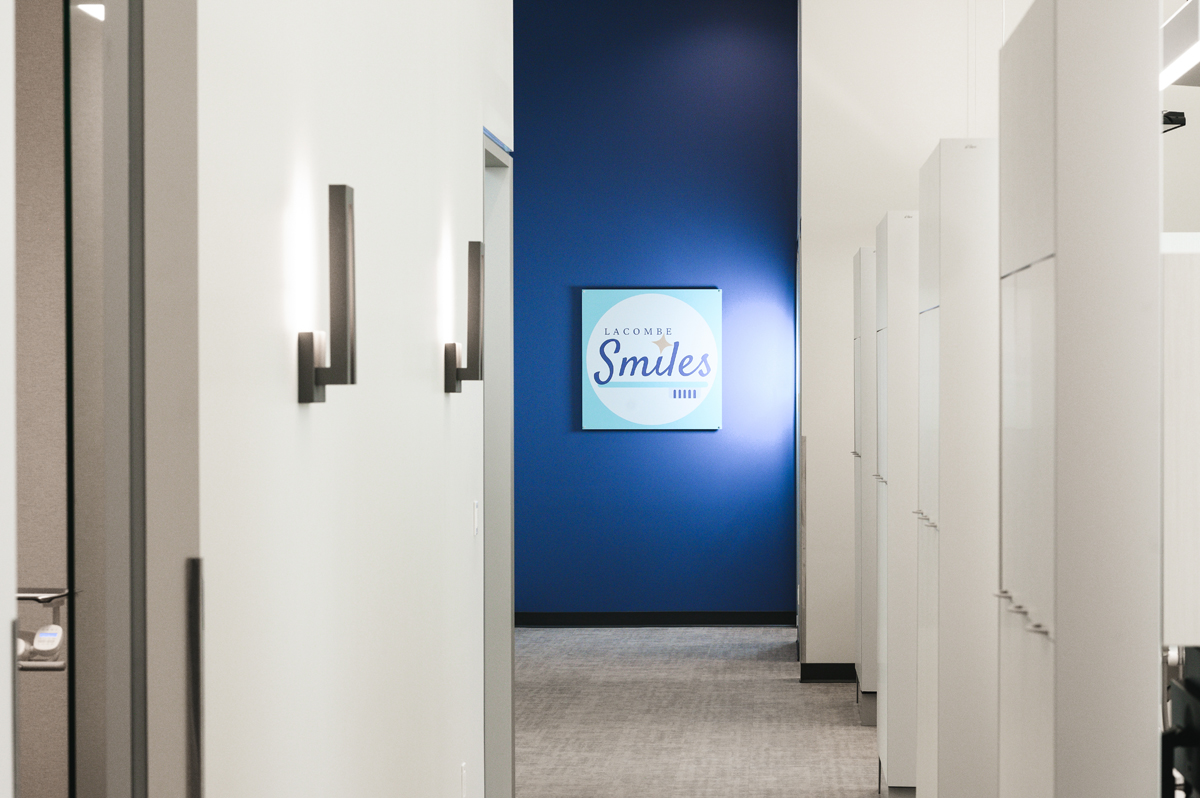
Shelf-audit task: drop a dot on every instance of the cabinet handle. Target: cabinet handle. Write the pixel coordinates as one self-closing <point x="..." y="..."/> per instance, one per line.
<point x="1037" y="629"/>
<point x="1018" y="609"/>
<point x="1003" y="594"/>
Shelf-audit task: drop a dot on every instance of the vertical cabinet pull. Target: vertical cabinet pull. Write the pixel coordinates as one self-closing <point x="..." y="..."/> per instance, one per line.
<point x="455" y="370"/>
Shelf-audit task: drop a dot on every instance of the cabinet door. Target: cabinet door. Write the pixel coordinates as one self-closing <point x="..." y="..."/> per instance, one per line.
<point x="1026" y="709"/>
<point x="1181" y="450"/>
<point x="881" y="403"/>
<point x="858" y="386"/>
<point x="927" y="414"/>
<point x="1027" y="439"/>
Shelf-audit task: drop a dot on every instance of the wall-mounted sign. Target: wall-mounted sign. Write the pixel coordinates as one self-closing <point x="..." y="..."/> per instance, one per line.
<point x="652" y="358"/>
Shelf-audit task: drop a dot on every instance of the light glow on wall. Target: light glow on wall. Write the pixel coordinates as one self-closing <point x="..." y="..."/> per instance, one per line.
<point x="301" y="282"/>
<point x="93" y="10"/>
<point x="446" y="282"/>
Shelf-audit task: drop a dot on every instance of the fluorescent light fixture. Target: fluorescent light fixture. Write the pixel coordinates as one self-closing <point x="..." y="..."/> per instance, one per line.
<point x="1181" y="47"/>
<point x="93" y="10"/>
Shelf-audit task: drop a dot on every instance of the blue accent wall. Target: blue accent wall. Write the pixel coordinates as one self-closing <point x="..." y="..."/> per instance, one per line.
<point x="656" y="147"/>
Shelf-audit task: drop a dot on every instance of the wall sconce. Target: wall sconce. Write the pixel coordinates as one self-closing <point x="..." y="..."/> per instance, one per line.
<point x="455" y="372"/>
<point x="313" y="374"/>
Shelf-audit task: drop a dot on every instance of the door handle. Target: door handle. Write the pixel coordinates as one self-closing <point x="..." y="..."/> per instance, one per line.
<point x="195" y="684"/>
<point x="312" y="373"/>
<point x="455" y="371"/>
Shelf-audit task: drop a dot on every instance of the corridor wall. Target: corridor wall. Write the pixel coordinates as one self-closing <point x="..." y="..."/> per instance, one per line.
<point x="8" y="388"/>
<point x="343" y="569"/>
<point x="658" y="149"/>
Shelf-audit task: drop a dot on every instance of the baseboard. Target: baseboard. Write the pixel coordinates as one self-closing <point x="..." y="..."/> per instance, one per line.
<point x="619" y="619"/>
<point x="836" y="672"/>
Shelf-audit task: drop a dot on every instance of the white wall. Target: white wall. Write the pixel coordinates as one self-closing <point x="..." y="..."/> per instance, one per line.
<point x="881" y="83"/>
<point x="343" y="578"/>
<point x="8" y="453"/>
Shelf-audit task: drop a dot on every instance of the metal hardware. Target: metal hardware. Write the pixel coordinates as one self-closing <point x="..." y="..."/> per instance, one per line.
<point x="1003" y="594"/>
<point x="195" y="695"/>
<point x="1018" y="609"/>
<point x="313" y="375"/>
<point x="1037" y="629"/>
<point x="34" y="665"/>
<point x="43" y="598"/>
<point x="455" y="371"/>
<point x="932" y="525"/>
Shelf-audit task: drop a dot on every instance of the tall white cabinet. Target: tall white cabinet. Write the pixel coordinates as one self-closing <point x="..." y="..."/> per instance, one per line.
<point x="896" y="254"/>
<point x="958" y="471"/>
<point x="1080" y="303"/>
<point x="865" y="482"/>
<point x="928" y="421"/>
<point x="1181" y="440"/>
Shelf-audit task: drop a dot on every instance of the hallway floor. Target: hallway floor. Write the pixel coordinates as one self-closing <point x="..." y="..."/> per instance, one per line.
<point x="682" y="713"/>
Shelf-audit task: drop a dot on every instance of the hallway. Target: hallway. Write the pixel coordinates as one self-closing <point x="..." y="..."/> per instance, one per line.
<point x="686" y="712"/>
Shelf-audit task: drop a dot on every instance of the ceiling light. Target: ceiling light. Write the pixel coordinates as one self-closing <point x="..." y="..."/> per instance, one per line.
<point x="1181" y="47"/>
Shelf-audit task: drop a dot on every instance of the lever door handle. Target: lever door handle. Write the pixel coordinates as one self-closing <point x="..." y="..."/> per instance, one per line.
<point x="43" y="598"/>
<point x="455" y="371"/>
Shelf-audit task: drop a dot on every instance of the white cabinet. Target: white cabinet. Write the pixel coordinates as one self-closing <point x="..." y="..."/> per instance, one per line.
<point x="959" y="471"/>
<point x="1028" y="439"/>
<point x="1181" y="449"/>
<point x="866" y="551"/>
<point x="1081" y="402"/>
<point x="1027" y="140"/>
<point x="927" y="542"/>
<point x="896" y="242"/>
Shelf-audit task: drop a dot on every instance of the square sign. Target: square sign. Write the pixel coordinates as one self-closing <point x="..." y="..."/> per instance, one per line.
<point x="652" y="358"/>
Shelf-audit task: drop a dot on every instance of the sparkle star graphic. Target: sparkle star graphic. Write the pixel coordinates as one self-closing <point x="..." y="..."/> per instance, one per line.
<point x="661" y="343"/>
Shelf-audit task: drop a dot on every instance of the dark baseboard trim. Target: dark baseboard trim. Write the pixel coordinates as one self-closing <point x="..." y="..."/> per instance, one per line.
<point x="828" y="672"/>
<point x="619" y="619"/>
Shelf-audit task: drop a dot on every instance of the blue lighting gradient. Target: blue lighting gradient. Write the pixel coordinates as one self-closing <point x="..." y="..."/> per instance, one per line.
<point x="656" y="147"/>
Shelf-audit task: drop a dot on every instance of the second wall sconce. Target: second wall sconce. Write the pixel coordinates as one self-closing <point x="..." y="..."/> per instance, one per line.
<point x="313" y="374"/>
<point x="455" y="371"/>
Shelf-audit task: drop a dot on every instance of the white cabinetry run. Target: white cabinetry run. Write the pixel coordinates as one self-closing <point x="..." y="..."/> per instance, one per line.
<point x="866" y="481"/>
<point x="1081" y="390"/>
<point x="896" y="255"/>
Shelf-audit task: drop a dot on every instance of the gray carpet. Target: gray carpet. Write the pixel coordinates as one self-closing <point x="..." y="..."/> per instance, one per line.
<point x="686" y="713"/>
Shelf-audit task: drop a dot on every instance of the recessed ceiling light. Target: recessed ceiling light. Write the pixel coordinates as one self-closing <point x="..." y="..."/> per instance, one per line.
<point x="93" y="9"/>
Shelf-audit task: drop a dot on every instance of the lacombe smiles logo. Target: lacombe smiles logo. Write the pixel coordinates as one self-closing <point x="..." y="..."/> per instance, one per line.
<point x="652" y="359"/>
